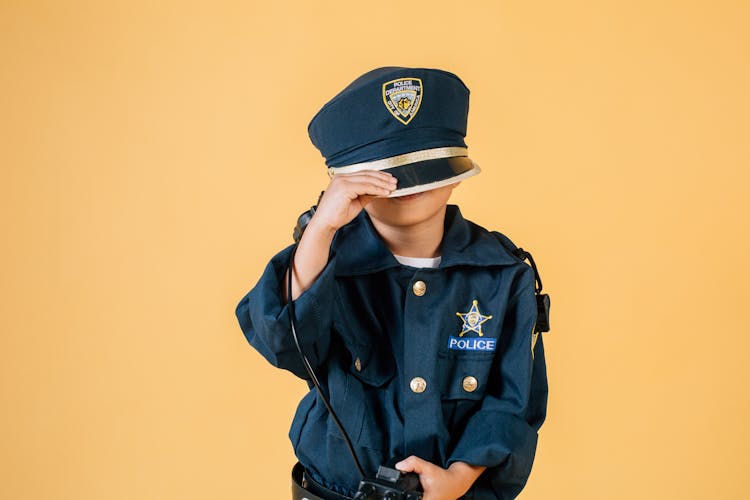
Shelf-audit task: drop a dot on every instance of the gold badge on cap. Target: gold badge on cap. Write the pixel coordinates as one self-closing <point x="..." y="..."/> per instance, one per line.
<point x="402" y="97"/>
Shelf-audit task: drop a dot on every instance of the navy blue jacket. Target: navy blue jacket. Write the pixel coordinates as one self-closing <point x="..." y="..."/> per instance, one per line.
<point x="448" y="370"/>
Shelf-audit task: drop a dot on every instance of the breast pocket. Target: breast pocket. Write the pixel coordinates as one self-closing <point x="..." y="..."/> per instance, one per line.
<point x="465" y="375"/>
<point x="357" y="395"/>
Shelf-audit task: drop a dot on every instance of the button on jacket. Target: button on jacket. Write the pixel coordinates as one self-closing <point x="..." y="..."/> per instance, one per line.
<point x="440" y="363"/>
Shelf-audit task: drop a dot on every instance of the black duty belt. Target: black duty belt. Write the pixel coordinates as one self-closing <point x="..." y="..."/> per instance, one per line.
<point x="305" y="487"/>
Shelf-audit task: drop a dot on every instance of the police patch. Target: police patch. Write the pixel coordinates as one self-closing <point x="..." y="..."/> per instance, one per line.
<point x="402" y="98"/>
<point x="472" y="344"/>
<point x="472" y="322"/>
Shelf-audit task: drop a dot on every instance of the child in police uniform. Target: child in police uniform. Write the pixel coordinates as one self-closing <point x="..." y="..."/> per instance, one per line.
<point x="418" y="322"/>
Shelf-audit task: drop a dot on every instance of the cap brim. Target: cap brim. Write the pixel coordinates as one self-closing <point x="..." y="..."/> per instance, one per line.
<point x="431" y="174"/>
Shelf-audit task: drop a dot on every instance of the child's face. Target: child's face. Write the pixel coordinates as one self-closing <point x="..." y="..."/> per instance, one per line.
<point x="412" y="209"/>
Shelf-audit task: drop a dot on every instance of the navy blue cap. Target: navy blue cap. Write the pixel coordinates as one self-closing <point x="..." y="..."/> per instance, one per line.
<point x="410" y="122"/>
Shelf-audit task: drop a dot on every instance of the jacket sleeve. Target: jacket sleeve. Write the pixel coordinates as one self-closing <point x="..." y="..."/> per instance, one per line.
<point x="264" y="317"/>
<point x="502" y="434"/>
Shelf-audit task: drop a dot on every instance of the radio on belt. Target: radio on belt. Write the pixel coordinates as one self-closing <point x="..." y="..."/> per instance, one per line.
<point x="390" y="484"/>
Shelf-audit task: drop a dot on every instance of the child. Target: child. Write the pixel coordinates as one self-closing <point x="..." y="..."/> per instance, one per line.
<point x="418" y="322"/>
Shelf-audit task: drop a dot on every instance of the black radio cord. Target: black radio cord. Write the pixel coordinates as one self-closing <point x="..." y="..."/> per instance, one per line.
<point x="310" y="371"/>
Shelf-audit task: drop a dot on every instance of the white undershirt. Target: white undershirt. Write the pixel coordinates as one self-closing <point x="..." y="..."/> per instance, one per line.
<point x="418" y="261"/>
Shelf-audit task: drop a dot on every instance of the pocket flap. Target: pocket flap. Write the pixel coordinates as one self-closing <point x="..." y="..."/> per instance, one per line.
<point x="373" y="366"/>
<point x="464" y="376"/>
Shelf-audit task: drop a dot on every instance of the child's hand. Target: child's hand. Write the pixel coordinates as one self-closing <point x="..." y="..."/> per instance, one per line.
<point x="439" y="483"/>
<point x="347" y="195"/>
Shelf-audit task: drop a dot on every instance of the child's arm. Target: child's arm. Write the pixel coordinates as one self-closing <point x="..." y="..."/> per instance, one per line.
<point x="345" y="197"/>
<point x="263" y="313"/>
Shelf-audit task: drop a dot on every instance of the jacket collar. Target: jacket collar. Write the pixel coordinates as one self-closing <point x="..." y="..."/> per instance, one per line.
<point x="359" y="249"/>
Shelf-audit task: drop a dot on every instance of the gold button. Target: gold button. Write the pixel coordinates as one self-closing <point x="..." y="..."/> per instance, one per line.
<point x="358" y="365"/>
<point x="419" y="288"/>
<point x="418" y="384"/>
<point x="470" y="384"/>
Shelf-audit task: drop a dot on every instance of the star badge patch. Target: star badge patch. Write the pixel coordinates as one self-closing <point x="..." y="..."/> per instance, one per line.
<point x="472" y="320"/>
<point x="402" y="98"/>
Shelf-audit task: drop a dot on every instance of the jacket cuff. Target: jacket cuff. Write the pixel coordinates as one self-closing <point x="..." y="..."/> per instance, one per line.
<point x="502" y="442"/>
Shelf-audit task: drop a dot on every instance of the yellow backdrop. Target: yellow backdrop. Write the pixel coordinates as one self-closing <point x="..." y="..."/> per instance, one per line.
<point x="154" y="156"/>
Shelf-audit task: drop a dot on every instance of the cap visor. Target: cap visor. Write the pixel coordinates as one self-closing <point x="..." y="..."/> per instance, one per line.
<point x="431" y="174"/>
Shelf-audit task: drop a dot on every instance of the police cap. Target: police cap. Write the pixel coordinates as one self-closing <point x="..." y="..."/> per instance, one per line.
<point x="410" y="122"/>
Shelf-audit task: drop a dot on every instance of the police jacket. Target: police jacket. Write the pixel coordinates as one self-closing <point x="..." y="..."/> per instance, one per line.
<point x="440" y="363"/>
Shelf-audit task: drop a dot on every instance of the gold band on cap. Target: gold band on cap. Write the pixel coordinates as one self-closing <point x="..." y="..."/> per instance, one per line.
<point x="397" y="161"/>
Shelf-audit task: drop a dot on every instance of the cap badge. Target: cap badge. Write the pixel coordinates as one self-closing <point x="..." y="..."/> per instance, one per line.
<point x="402" y="98"/>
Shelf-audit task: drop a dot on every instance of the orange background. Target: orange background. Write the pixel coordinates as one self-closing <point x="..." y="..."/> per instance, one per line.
<point x="154" y="156"/>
